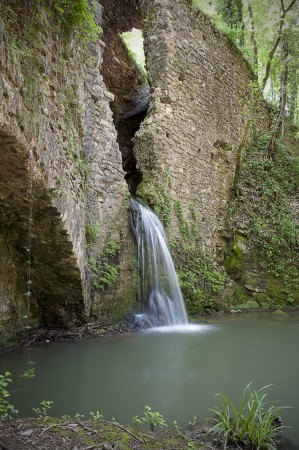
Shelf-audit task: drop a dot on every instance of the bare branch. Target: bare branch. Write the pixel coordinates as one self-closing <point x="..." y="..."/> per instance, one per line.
<point x="274" y="48"/>
<point x="290" y="6"/>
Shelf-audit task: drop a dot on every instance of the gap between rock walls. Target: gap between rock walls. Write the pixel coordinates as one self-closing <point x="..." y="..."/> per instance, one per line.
<point x="125" y="80"/>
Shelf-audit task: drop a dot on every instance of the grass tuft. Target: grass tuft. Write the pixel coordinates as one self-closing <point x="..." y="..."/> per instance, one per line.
<point x="255" y="423"/>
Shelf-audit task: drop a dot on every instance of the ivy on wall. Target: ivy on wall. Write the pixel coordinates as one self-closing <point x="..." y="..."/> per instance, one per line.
<point x="74" y="16"/>
<point x="104" y="268"/>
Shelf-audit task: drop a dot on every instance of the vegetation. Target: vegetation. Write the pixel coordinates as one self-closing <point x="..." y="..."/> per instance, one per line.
<point x="104" y="267"/>
<point x="77" y="17"/>
<point x="7" y="411"/>
<point x="92" y="232"/>
<point x="254" y="423"/>
<point x="158" y="198"/>
<point x="266" y="213"/>
<point x="267" y="34"/>
<point x="134" y="42"/>
<point x="44" y="409"/>
<point x="199" y="278"/>
<point x="153" y="418"/>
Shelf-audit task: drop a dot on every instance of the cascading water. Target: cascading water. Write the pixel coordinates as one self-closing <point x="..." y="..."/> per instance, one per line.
<point x="159" y="291"/>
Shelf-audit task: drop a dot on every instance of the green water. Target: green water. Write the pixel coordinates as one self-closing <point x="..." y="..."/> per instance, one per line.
<point x="177" y="374"/>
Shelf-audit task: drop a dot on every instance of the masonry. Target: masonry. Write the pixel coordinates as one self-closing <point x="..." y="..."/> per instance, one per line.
<point x="58" y="133"/>
<point x="199" y="106"/>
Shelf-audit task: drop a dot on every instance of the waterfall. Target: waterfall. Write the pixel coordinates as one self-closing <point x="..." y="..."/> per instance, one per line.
<point x="159" y="292"/>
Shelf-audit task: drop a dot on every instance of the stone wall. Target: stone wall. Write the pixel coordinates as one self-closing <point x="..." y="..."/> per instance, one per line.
<point x="57" y="135"/>
<point x="199" y="105"/>
<point x="56" y="132"/>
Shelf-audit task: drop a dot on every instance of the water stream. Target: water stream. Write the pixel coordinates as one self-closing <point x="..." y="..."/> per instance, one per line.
<point x="160" y="295"/>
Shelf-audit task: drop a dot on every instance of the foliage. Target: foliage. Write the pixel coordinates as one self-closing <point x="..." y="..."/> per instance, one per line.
<point x="77" y="17"/>
<point x="134" y="42"/>
<point x="153" y="418"/>
<point x="183" y="224"/>
<point x="43" y="411"/>
<point x="264" y="209"/>
<point x="96" y="415"/>
<point x="262" y="30"/>
<point x="254" y="423"/>
<point x="104" y="267"/>
<point x="231" y="11"/>
<point x="193" y="421"/>
<point x="157" y="198"/>
<point x="248" y="305"/>
<point x="92" y="232"/>
<point x="199" y="278"/>
<point x="7" y="411"/>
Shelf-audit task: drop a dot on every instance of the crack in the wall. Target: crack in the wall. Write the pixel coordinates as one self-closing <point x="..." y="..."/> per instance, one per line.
<point x="123" y="78"/>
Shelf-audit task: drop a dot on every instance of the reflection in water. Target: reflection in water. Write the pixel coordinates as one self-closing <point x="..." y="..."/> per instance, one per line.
<point x="177" y="373"/>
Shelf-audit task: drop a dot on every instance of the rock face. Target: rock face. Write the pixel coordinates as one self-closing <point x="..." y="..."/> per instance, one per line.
<point x="66" y="109"/>
<point x="199" y="105"/>
<point x="56" y="134"/>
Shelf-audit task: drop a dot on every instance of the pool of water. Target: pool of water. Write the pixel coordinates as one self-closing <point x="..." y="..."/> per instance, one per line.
<point x="175" y="371"/>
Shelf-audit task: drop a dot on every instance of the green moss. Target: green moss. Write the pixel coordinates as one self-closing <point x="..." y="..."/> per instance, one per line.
<point x="239" y="295"/>
<point x="234" y="260"/>
<point x="125" y="302"/>
<point x="276" y="290"/>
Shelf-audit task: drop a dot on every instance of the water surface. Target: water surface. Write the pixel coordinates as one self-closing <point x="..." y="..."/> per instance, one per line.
<point x="175" y="371"/>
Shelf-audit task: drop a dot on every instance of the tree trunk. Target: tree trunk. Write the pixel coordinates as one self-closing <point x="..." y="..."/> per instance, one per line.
<point x="252" y="36"/>
<point x="282" y="102"/>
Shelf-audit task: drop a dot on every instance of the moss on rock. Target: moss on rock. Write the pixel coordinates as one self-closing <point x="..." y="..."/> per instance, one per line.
<point x="234" y="260"/>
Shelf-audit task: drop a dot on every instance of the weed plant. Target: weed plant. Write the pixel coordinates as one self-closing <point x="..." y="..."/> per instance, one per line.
<point x="254" y="424"/>
<point x="153" y="418"/>
<point x="7" y="411"/>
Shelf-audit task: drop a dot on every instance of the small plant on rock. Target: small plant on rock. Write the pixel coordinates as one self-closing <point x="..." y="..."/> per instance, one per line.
<point x="254" y="424"/>
<point x="153" y="418"/>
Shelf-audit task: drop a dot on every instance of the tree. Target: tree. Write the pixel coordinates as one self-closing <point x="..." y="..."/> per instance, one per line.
<point x="284" y="12"/>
